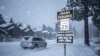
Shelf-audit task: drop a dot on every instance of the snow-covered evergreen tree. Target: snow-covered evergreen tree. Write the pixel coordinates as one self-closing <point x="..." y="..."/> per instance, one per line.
<point x="2" y="21"/>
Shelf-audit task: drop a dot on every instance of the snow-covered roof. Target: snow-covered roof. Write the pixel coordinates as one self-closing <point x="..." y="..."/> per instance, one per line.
<point x="5" y="25"/>
<point x="48" y="32"/>
<point x="27" y="30"/>
<point x="37" y="30"/>
<point x="23" y="27"/>
<point x="53" y="32"/>
<point x="11" y="28"/>
<point x="45" y="31"/>
<point x="4" y="31"/>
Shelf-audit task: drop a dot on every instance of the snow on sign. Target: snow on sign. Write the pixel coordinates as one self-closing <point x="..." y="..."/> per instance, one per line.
<point x="64" y="24"/>
<point x="65" y="14"/>
<point x="65" y="37"/>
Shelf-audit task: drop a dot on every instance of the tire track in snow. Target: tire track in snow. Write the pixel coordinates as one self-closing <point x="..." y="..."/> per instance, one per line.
<point x="42" y="49"/>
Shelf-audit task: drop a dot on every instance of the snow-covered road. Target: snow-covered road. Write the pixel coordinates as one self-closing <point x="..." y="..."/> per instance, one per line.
<point x="53" y="49"/>
<point x="14" y="49"/>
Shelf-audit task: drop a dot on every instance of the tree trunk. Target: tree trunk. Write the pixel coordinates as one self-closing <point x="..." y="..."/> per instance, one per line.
<point x="86" y="28"/>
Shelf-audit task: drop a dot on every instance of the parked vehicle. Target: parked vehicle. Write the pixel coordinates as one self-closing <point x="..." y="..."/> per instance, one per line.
<point x="32" y="42"/>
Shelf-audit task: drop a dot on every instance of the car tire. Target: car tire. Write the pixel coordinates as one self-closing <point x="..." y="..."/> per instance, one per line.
<point x="31" y="47"/>
<point x="45" y="45"/>
<point x="35" y="46"/>
<point x="24" y="47"/>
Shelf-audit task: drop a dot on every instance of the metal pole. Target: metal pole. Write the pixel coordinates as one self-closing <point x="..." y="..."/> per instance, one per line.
<point x="64" y="49"/>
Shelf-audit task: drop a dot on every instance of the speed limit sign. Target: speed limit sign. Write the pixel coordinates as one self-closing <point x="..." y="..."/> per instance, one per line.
<point x="64" y="24"/>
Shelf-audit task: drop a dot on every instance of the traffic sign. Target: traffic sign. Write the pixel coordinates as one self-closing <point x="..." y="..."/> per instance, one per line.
<point x="65" y="14"/>
<point x="63" y="37"/>
<point x="64" y="24"/>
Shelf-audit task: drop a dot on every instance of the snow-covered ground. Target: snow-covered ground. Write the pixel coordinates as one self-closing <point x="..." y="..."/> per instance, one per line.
<point x="53" y="49"/>
<point x="95" y="45"/>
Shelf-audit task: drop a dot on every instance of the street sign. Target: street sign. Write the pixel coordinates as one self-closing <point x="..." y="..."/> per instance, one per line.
<point x="64" y="24"/>
<point x="63" y="37"/>
<point x="65" y="14"/>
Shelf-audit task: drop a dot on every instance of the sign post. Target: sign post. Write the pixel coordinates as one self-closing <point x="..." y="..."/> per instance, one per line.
<point x="64" y="49"/>
<point x="63" y="37"/>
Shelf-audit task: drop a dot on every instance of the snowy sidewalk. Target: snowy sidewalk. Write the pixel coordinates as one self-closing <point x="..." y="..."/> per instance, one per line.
<point x="75" y="49"/>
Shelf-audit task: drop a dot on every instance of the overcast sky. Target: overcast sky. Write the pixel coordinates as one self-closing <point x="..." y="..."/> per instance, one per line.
<point x="32" y="12"/>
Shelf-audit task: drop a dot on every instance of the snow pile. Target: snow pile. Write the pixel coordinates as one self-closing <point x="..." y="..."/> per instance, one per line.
<point x="95" y="45"/>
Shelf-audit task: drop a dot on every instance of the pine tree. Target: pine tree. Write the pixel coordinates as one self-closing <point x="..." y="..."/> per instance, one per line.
<point x="29" y="27"/>
<point x="44" y="27"/>
<point x="50" y="29"/>
<point x="2" y="21"/>
<point x="11" y="21"/>
<point x="86" y="8"/>
<point x="20" y="25"/>
<point x="81" y="8"/>
<point x="96" y="16"/>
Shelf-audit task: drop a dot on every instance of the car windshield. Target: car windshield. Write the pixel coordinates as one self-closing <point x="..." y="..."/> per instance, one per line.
<point x="26" y="38"/>
<point x="37" y="39"/>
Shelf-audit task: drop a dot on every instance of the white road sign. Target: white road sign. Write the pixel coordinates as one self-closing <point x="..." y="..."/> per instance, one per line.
<point x="65" y="37"/>
<point x="64" y="24"/>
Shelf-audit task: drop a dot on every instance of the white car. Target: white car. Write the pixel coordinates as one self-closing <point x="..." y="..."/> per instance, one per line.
<point x="32" y="42"/>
